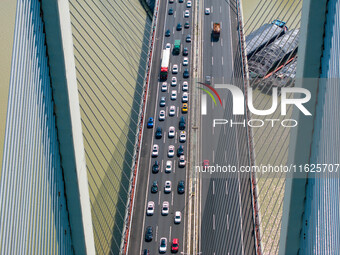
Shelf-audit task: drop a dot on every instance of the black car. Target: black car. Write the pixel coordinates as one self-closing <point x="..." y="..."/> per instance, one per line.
<point x="171" y="11"/>
<point x="154" y="187"/>
<point x="167" y="33"/>
<point x="181" y="187"/>
<point x="181" y="123"/>
<point x="179" y="27"/>
<point x="186" y="73"/>
<point x="155" y="167"/>
<point x="186" y="25"/>
<point x="180" y="151"/>
<point x="185" y="51"/>
<point x="188" y="38"/>
<point x="180" y="1"/>
<point x="159" y="133"/>
<point x="148" y="234"/>
<point x="146" y="252"/>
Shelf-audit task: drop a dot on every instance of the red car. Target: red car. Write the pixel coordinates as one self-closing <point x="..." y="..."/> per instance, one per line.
<point x="205" y="163"/>
<point x="174" y="245"/>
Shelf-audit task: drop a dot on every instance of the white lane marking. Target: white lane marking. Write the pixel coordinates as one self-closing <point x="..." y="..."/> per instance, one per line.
<point x="212" y="61"/>
<point x="166" y="111"/>
<point x="212" y="10"/>
<point x="213" y="156"/>
<point x="173" y="30"/>
<point x="223" y="80"/>
<point x="227" y="221"/>
<point x="213" y="187"/>
<point x="220" y="8"/>
<point x="222" y="60"/>
<point x="213" y="221"/>
<point x="222" y="42"/>
<point x="175" y="14"/>
<point x="162" y="166"/>
<point x="170" y="234"/>
<point x="204" y="105"/>
<point x="174" y="166"/>
<point x="177" y="110"/>
<point x="176" y="137"/>
<point x="224" y="102"/>
<point x="164" y="136"/>
<point x="221" y="25"/>
<point x="172" y="198"/>
<point x="226" y="187"/>
<point x="225" y="155"/>
<point x="156" y="232"/>
<point x="159" y="198"/>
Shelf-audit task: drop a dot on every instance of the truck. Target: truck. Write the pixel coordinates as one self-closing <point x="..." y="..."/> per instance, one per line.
<point x="165" y="64"/>
<point x="216" y="30"/>
<point x="177" y="47"/>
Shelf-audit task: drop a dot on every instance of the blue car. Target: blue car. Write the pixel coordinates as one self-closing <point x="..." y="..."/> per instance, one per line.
<point x="150" y="123"/>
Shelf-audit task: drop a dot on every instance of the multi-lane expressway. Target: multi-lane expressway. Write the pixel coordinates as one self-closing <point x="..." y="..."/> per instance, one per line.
<point x="225" y="200"/>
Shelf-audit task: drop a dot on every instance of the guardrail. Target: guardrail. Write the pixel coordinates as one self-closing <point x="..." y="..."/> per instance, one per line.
<point x="249" y="132"/>
<point x="141" y="117"/>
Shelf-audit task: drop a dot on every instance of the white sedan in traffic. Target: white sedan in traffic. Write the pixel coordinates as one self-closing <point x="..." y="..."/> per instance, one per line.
<point x="171" y="132"/>
<point x="171" y="151"/>
<point x="172" y="110"/>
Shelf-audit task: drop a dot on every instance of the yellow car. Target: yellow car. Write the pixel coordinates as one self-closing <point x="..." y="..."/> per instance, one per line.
<point x="185" y="107"/>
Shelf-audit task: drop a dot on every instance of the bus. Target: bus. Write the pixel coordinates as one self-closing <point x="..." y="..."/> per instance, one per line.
<point x="165" y="64"/>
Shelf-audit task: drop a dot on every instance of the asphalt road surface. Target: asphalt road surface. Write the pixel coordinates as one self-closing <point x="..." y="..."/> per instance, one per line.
<point x="226" y="214"/>
<point x="163" y="226"/>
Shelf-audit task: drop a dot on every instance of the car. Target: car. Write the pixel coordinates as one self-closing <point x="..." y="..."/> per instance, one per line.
<point x="146" y="252"/>
<point x="207" y="11"/>
<point x="154" y="187"/>
<point x="183" y="136"/>
<point x="180" y="1"/>
<point x="185" y="86"/>
<point x="186" y="73"/>
<point x="205" y="164"/>
<point x="168" y="166"/>
<point x="167" y="33"/>
<point x="181" y="123"/>
<point x="185" y="108"/>
<point x="171" y="1"/>
<point x="179" y="27"/>
<point x="188" y="4"/>
<point x="155" y="167"/>
<point x="171" y="132"/>
<point x="178" y="217"/>
<point x="171" y="151"/>
<point x="175" y="69"/>
<point x="158" y="133"/>
<point x="185" y="97"/>
<point x="155" y="150"/>
<point x="186" y="24"/>
<point x="162" y="102"/>
<point x="148" y="234"/>
<point x="208" y="79"/>
<point x="173" y="81"/>
<point x="174" y="245"/>
<point x="185" y="51"/>
<point x="168" y="46"/>
<point x="172" y="110"/>
<point x="164" y="87"/>
<point x="180" y="151"/>
<point x="150" y="122"/>
<point x="167" y="187"/>
<point x="182" y="162"/>
<point x="188" y="38"/>
<point x="150" y="210"/>
<point x="185" y="61"/>
<point x="186" y="14"/>
<point x="165" y="208"/>
<point x="162" y="245"/>
<point x="171" y="11"/>
<point x="161" y="115"/>
<point x="173" y="95"/>
<point x="181" y="187"/>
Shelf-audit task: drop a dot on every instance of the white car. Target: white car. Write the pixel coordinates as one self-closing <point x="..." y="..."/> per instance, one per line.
<point x="151" y="208"/>
<point x="185" y="97"/>
<point x="183" y="136"/>
<point x="171" y="1"/>
<point x="164" y="87"/>
<point x="171" y="151"/>
<point x="171" y="132"/>
<point x="168" y="166"/>
<point x="172" y="110"/>
<point x="207" y="11"/>
<point x="168" y="46"/>
<point x="182" y="161"/>
<point x="174" y="95"/>
<point x="186" y="14"/>
<point x="161" y="115"/>
<point x="155" y="150"/>
<point x="178" y="217"/>
<point x="173" y="81"/>
<point x="185" y="86"/>
<point x="167" y="187"/>
<point x="188" y="4"/>
<point x="175" y="69"/>
<point x="185" y="61"/>
<point x="165" y="208"/>
<point x="162" y="245"/>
